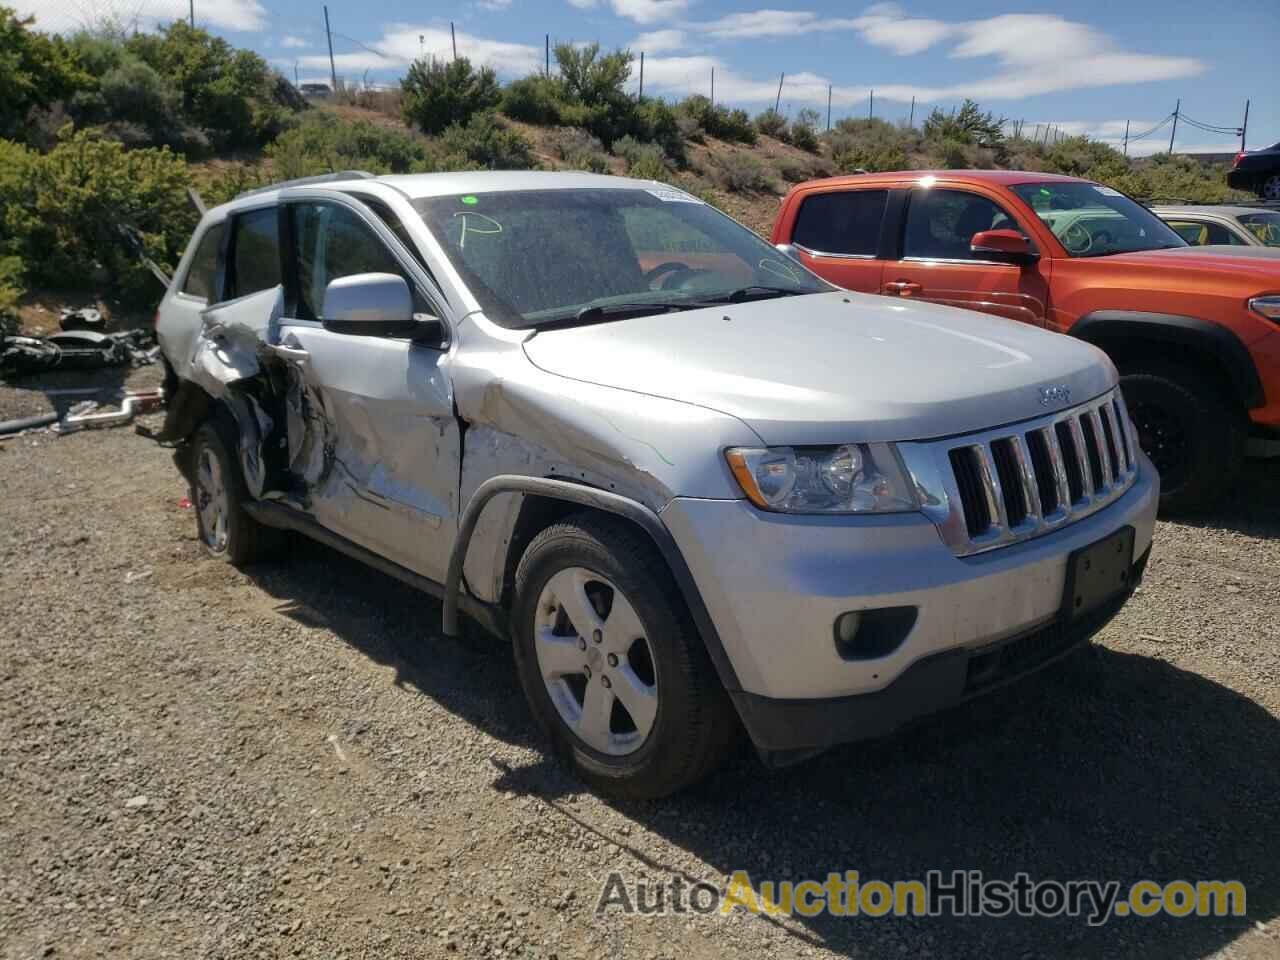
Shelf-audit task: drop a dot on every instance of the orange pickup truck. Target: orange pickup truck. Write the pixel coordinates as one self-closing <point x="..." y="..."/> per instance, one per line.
<point x="1193" y="331"/>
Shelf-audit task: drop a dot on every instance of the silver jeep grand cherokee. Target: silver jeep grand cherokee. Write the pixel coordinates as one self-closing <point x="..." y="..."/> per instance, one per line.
<point x="697" y="486"/>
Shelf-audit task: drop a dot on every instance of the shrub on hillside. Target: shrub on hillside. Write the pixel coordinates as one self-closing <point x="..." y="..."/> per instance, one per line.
<point x="326" y="143"/>
<point x="803" y="132"/>
<point x="63" y="212"/>
<point x="10" y="293"/>
<point x="739" y="172"/>
<point x="578" y="149"/>
<point x="770" y="123"/>
<point x="869" y="144"/>
<point x="36" y="71"/>
<point x="645" y="161"/>
<point x="484" y="142"/>
<point x="657" y="123"/>
<point x="718" y="120"/>
<point x="968" y="124"/>
<point x="534" y="99"/>
<point x="436" y="94"/>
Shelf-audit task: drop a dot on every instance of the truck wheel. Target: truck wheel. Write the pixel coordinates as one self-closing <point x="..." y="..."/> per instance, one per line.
<point x="610" y="661"/>
<point x="1192" y="433"/>
<point x="218" y="495"/>
<point x="1270" y="188"/>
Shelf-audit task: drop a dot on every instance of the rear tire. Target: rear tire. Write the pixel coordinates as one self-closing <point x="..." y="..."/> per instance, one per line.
<point x="635" y="636"/>
<point x="218" y="495"/>
<point x="1193" y="434"/>
<point x="1269" y="188"/>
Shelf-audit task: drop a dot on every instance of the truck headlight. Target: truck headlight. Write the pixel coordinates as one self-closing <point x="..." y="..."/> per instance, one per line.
<point x="848" y="478"/>
<point x="1268" y="307"/>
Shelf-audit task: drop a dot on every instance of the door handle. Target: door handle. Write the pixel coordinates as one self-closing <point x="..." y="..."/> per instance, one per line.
<point x="296" y="354"/>
<point x="903" y="288"/>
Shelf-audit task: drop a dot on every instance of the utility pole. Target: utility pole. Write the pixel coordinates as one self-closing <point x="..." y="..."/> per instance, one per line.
<point x="333" y="71"/>
<point x="828" y="106"/>
<point x="1174" y="131"/>
<point x="871" y="105"/>
<point x="1244" y="127"/>
<point x="193" y="14"/>
<point x="454" y="37"/>
<point x="641" y="97"/>
<point x="1126" y="138"/>
<point x="911" y="120"/>
<point x="778" y="102"/>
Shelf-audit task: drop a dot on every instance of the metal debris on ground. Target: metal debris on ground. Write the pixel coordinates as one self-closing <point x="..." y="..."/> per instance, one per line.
<point x="79" y="346"/>
<point x="83" y="415"/>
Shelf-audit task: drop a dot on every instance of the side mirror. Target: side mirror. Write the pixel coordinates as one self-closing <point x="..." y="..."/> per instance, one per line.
<point x="1008" y="246"/>
<point x="375" y="305"/>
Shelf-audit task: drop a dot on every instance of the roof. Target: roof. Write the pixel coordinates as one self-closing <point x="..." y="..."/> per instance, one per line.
<point x="1207" y="210"/>
<point x="997" y="177"/>
<point x="418" y="185"/>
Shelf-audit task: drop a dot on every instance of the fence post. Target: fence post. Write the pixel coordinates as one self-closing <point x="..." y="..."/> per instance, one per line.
<point x="829" y="107"/>
<point x="713" y="86"/>
<point x="547" y="72"/>
<point x="641" y="95"/>
<point x="1174" y="131"/>
<point x="871" y="104"/>
<point x="454" y="38"/>
<point x="193" y="14"/>
<point x="1244" y="127"/>
<point x="333" y="70"/>
<point x="778" y="102"/>
<point x="911" y="120"/>
<point x="1126" y="138"/>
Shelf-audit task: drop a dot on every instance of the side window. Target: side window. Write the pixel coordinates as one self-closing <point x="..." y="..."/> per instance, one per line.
<point x="202" y="275"/>
<point x="333" y="242"/>
<point x="255" y="253"/>
<point x="1193" y="233"/>
<point x="847" y="223"/>
<point x="941" y="223"/>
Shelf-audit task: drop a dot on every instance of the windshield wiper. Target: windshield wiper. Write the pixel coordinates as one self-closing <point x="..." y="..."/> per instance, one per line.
<point x="601" y="312"/>
<point x="754" y="292"/>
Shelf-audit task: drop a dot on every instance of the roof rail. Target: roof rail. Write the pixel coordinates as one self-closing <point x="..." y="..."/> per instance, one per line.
<point x="1182" y="201"/>
<point x="307" y="181"/>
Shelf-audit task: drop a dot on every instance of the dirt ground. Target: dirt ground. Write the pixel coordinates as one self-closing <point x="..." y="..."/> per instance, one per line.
<point x="289" y="760"/>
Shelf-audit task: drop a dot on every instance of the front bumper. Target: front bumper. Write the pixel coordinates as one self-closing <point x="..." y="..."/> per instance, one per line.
<point x="775" y="584"/>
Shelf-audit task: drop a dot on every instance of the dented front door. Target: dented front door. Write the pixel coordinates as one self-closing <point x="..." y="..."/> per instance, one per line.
<point x="373" y="441"/>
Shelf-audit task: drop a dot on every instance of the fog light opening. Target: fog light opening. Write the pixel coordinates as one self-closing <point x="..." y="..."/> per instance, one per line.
<point x="870" y="634"/>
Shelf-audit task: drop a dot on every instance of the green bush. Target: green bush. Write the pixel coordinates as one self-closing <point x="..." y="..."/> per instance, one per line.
<point x="232" y="180"/>
<point x="738" y="172"/>
<point x="36" y="71"/>
<point x="578" y="149"/>
<point x="436" y="94"/>
<point x="869" y="144"/>
<point x="486" y="143"/>
<point x="649" y="165"/>
<point x="656" y="122"/>
<point x="10" y="293"/>
<point x="534" y="99"/>
<point x="326" y="143"/>
<point x="718" y="120"/>
<point x="770" y="123"/>
<point x="70" y="204"/>
<point x="803" y="132"/>
<point x="966" y="125"/>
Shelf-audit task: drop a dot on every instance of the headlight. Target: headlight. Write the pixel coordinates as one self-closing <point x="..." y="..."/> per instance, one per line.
<point x="1268" y="307"/>
<point x="850" y="478"/>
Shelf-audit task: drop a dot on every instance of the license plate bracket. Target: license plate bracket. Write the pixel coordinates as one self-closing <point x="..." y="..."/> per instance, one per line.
<point x="1098" y="573"/>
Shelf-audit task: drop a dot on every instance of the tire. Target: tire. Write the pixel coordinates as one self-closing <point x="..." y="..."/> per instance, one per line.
<point x="633" y="748"/>
<point x="1193" y="434"/>
<point x="1269" y="187"/>
<point x="218" y="495"/>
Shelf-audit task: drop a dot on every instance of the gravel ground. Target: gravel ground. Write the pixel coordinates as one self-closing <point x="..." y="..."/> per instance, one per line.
<point x="290" y="761"/>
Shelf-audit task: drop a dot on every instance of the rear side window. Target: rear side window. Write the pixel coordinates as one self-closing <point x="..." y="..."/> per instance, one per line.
<point x="255" y="253"/>
<point x="941" y="224"/>
<point x="845" y="223"/>
<point x="203" y="273"/>
<point x="1199" y="234"/>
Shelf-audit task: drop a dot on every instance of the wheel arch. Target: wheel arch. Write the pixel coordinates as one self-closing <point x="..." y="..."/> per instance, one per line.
<point x="1129" y="336"/>
<point x="547" y="500"/>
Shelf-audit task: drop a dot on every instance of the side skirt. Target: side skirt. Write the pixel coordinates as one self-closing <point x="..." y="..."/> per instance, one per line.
<point x="282" y="517"/>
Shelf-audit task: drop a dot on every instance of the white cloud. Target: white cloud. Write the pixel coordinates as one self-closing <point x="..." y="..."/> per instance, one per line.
<point x="660" y="41"/>
<point x="886" y="25"/>
<point x="400" y="46"/>
<point x="582" y="4"/>
<point x="649" y="11"/>
<point x="293" y="43"/>
<point x="494" y="4"/>
<point x="235" y="15"/>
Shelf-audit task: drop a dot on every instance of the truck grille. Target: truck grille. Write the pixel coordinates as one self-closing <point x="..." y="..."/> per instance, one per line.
<point x="1003" y="486"/>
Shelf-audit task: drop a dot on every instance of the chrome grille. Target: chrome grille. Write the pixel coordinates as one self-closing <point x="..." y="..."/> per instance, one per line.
<point x="1010" y="484"/>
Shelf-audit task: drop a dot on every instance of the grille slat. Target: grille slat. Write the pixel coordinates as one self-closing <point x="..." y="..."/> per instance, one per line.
<point x="1011" y="487"/>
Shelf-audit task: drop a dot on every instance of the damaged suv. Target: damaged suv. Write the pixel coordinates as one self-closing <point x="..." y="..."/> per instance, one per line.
<point x="699" y="488"/>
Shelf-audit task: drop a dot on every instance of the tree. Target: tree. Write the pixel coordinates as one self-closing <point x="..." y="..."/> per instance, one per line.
<point x="968" y="124"/>
<point x="36" y="71"/>
<point x="437" y="94"/>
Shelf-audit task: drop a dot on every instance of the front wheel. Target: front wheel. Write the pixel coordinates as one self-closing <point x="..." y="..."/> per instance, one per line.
<point x="611" y="664"/>
<point x="1270" y="189"/>
<point x="218" y="495"/>
<point x="1193" y="434"/>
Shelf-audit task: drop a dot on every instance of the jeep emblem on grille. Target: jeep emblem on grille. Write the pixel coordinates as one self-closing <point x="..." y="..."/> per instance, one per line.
<point x="1058" y="393"/>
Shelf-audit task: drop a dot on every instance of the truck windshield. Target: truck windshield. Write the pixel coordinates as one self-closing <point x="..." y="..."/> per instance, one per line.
<point x="1091" y="220"/>
<point x="549" y="257"/>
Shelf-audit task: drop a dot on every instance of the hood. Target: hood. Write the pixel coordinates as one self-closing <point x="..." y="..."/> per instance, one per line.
<point x="1258" y="263"/>
<point x="837" y="367"/>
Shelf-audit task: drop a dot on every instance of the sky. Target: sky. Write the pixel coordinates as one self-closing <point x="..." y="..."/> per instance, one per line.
<point x="1090" y="67"/>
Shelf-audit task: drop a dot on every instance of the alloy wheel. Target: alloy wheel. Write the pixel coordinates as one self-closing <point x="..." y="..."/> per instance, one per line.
<point x="212" y="501"/>
<point x="1271" y="188"/>
<point x="596" y="661"/>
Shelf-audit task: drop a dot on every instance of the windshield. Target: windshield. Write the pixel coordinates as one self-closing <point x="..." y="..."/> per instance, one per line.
<point x="1264" y="226"/>
<point x="535" y="257"/>
<point x="1091" y="220"/>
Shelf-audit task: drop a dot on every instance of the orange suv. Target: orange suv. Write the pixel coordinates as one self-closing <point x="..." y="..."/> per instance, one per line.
<point x="1194" y="331"/>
